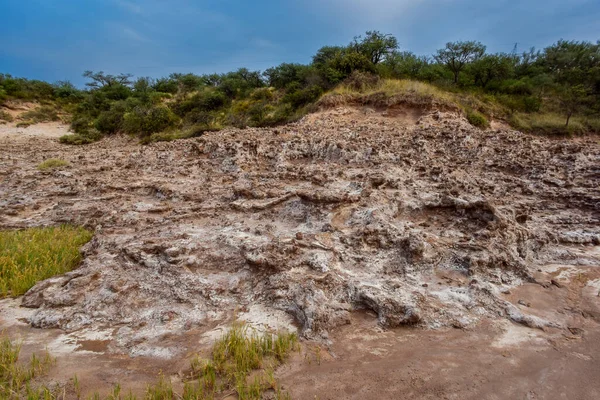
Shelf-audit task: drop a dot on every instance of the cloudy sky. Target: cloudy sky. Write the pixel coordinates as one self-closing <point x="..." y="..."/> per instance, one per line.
<point x="59" y="39"/>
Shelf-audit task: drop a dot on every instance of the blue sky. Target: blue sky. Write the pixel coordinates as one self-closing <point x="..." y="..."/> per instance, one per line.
<point x="59" y="39"/>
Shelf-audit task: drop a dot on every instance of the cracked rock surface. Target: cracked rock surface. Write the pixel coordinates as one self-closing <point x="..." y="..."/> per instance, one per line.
<point x="422" y="223"/>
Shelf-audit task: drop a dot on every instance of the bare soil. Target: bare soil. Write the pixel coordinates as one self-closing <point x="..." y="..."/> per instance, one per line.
<point x="424" y="257"/>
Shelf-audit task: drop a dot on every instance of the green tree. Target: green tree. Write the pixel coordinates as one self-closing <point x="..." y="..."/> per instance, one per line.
<point x="457" y="55"/>
<point x="375" y="46"/>
<point x="571" y="98"/>
<point x="100" y="79"/>
<point x="492" y="67"/>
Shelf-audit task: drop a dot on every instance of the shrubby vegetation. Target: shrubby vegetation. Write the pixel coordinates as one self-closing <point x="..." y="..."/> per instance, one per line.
<point x="556" y="90"/>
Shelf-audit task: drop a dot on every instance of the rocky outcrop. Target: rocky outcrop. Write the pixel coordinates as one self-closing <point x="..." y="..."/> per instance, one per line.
<point x="422" y="224"/>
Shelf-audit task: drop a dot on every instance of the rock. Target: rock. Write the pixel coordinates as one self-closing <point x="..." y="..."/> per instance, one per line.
<point x="556" y="283"/>
<point x="337" y="212"/>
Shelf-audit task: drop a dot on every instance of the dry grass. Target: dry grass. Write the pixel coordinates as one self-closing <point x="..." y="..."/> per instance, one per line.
<point x="41" y="114"/>
<point x="390" y="92"/>
<point x="4" y="116"/>
<point x="31" y="255"/>
<point x="552" y="124"/>
<point x="52" y="163"/>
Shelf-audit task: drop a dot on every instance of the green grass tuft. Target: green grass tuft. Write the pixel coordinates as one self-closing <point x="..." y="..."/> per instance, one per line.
<point x="477" y="119"/>
<point x="31" y="255"/>
<point x="52" y="163"/>
<point x="16" y="378"/>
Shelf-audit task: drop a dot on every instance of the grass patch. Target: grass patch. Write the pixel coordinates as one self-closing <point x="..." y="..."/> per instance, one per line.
<point x="548" y="123"/>
<point x="235" y="363"/>
<point x="242" y="363"/>
<point x="31" y="255"/>
<point x="477" y="119"/>
<point x="52" y="163"/>
<point x="16" y="378"/>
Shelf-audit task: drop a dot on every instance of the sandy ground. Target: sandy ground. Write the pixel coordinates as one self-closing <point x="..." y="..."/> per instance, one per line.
<point x="54" y="130"/>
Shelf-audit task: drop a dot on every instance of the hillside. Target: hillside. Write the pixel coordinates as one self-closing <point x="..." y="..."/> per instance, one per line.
<point x="361" y="217"/>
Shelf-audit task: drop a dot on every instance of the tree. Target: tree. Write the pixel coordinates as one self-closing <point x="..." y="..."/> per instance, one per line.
<point x="457" y="55"/>
<point x="100" y="79"/>
<point x="376" y="46"/>
<point x="404" y="65"/>
<point x="285" y="74"/>
<point x="571" y="61"/>
<point x="490" y="67"/>
<point x="571" y="98"/>
<point x="326" y="54"/>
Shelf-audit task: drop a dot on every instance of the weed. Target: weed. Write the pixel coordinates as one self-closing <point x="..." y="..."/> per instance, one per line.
<point x="16" y="378"/>
<point x="52" y="163"/>
<point x="4" y="116"/>
<point x="35" y="254"/>
<point x="477" y="119"/>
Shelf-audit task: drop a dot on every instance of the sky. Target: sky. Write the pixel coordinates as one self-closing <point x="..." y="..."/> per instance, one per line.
<point x="59" y="39"/>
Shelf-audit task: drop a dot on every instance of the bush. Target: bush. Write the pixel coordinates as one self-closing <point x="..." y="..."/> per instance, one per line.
<point x="52" y="163"/>
<point x="81" y="124"/>
<point x="301" y="97"/>
<point x="4" y="116"/>
<point x="111" y="121"/>
<point x="145" y="121"/>
<point x="207" y="100"/>
<point x="90" y="136"/>
<point x="477" y="119"/>
<point x="360" y="81"/>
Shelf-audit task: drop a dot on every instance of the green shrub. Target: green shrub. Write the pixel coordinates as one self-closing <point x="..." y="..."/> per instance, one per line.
<point x="265" y="94"/>
<point x="4" y="116"/>
<point x="111" y="121"/>
<point x="147" y="120"/>
<point x="90" y="136"/>
<point x="477" y="119"/>
<point x="302" y="97"/>
<point x="204" y="101"/>
<point x="532" y="104"/>
<point x="81" y="123"/>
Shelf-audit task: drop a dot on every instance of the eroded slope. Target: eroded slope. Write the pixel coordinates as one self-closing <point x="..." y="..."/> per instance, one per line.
<point x="424" y="224"/>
